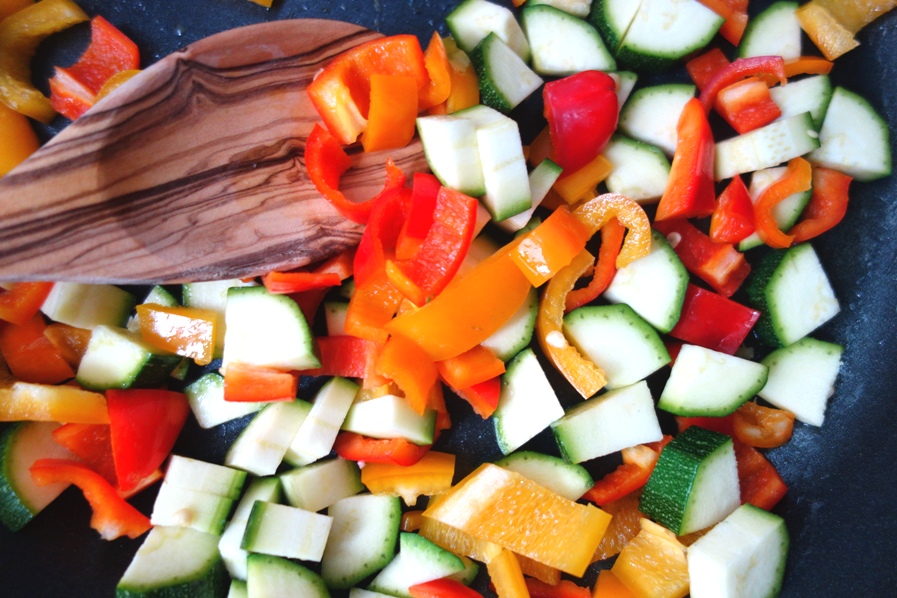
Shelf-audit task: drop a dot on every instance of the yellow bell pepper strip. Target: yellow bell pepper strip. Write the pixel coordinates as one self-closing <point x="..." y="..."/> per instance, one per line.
<point x="20" y="34"/>
<point x="464" y="85"/>
<point x="653" y="564"/>
<point x="341" y="92"/>
<point x="581" y="183"/>
<point x="798" y="177"/>
<point x="455" y="540"/>
<point x="392" y="113"/>
<point x="431" y="475"/>
<point x="406" y="364"/>
<point x="552" y="245"/>
<point x="439" y="68"/>
<point x="468" y="311"/>
<point x="8" y="7"/>
<point x="112" y="516"/>
<point x="472" y="367"/>
<point x="584" y="375"/>
<point x="609" y="585"/>
<point x="22" y="300"/>
<point x="17" y="139"/>
<point x="596" y="212"/>
<point x="30" y="355"/>
<point x="605" y="266"/>
<point x="497" y="505"/>
<point x="506" y="575"/>
<point x="185" y="331"/>
<point x="25" y="401"/>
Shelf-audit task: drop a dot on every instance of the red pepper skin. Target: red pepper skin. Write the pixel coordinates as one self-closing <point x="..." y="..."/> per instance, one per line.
<point x="483" y="397"/>
<point x="735" y="14"/>
<point x="760" y="483"/>
<point x="399" y="451"/>
<point x="605" y="269"/>
<point x="582" y="115"/>
<point x="733" y="219"/>
<point x="713" y="321"/>
<point x="704" y="67"/>
<point x="112" y="516"/>
<point x="718" y="264"/>
<point x="285" y="283"/>
<point x="626" y="478"/>
<point x="345" y="356"/>
<point x="244" y="383"/>
<point x="827" y="206"/>
<point x="381" y="234"/>
<point x="723" y="425"/>
<point x="424" y="190"/>
<point x="30" y="355"/>
<point x="690" y="191"/>
<point x="442" y="588"/>
<point x="564" y="589"/>
<point x="772" y="66"/>
<point x="144" y="424"/>
<point x="747" y="105"/>
<point x="798" y="177"/>
<point x="92" y="443"/>
<point x="20" y="303"/>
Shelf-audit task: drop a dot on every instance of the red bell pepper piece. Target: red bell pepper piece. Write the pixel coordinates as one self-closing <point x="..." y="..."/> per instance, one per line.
<point x="30" y="355"/>
<point x="582" y="115"/>
<point x="244" y="383"/>
<point x="733" y="218"/>
<point x="723" y="425"/>
<point x="735" y="14"/>
<point x="629" y="476"/>
<point x="713" y="321"/>
<point x="772" y="67"/>
<point x="482" y="397"/>
<point x="797" y="178"/>
<point x="399" y="451"/>
<point x="442" y="588"/>
<point x="442" y="251"/>
<point x="747" y="105"/>
<point x="112" y="516"/>
<point x="92" y="443"/>
<point x="563" y="589"/>
<point x="827" y="206"/>
<point x="309" y="300"/>
<point x="23" y="300"/>
<point x="718" y="264"/>
<point x="762" y="427"/>
<point x="74" y="90"/>
<point x="341" y="92"/>
<point x="605" y="266"/>
<point x="144" y="425"/>
<point x="704" y="67"/>
<point x="285" y="283"/>
<point x="690" y="190"/>
<point x="424" y="191"/>
<point x="381" y="234"/>
<point x="345" y="356"/>
<point x="760" y="483"/>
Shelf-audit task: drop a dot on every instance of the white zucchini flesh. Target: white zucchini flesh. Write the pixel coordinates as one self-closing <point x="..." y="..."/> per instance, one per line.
<point x="472" y="20"/>
<point x="562" y="44"/>
<point x="768" y="146"/>
<point x="811" y="94"/>
<point x="785" y="213"/>
<point x="774" y="32"/>
<point x="641" y="171"/>
<point x="651" y="114"/>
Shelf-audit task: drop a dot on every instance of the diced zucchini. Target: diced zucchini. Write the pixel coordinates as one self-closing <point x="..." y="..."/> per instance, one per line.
<point x="282" y="530"/>
<point x="473" y="20"/>
<point x="182" y="507"/>
<point x="212" y="295"/>
<point x="450" y="146"/>
<point x="515" y="334"/>
<point x="314" y="438"/>
<point x="206" y="398"/>
<point x="319" y="485"/>
<point x="88" y="305"/>
<point x="785" y="213"/>
<point x="193" y="474"/>
<point x="651" y="114"/>
<point x="640" y="172"/>
<point x="274" y="577"/>
<point x="579" y="8"/>
<point x="266" y="489"/>
<point x="390" y="416"/>
<point x="335" y="317"/>
<point x="419" y="560"/>
<point x="261" y="446"/>
<point x="567" y="479"/>
<point x="562" y="44"/>
<point x="768" y="146"/>
<point x="774" y="32"/>
<point x="541" y="180"/>
<point x="811" y="94"/>
<point x="505" y="79"/>
<point x="119" y="358"/>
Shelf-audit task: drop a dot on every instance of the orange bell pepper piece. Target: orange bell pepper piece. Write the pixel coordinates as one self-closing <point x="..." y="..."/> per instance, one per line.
<point x="8" y="7"/>
<point x="372" y="308"/>
<point x="17" y="139"/>
<point x="468" y="311"/>
<point x="464" y="87"/>
<point x="286" y="283"/>
<point x="605" y="266"/>
<point x="432" y="474"/>
<point x="596" y="212"/>
<point x="762" y="427"/>
<point x="30" y="355"/>
<point x="392" y="112"/>
<point x="439" y="68"/>
<point x="341" y="93"/>
<point x="20" y="35"/>
<point x="21" y="302"/>
<point x="830" y="35"/>
<point x="807" y="65"/>
<point x="609" y="585"/>
<point x="185" y="331"/>
<point x="736" y="18"/>
<point x="112" y="516"/>
<point x="244" y="383"/>
<point x="71" y="341"/>
<point x="798" y="177"/>
<point x="653" y="564"/>
<point x="470" y="368"/>
<point x="562" y="589"/>
<point x="25" y="401"/>
<point x="506" y="575"/>
<point x="552" y="245"/>
<point x="409" y="366"/>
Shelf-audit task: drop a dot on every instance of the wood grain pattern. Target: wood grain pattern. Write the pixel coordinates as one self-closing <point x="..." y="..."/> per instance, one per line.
<point x="193" y="170"/>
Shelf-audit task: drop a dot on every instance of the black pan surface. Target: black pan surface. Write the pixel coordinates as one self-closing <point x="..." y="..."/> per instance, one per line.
<point x="840" y="509"/>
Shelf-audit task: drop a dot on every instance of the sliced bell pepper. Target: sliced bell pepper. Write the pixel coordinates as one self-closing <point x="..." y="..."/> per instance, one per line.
<point x="186" y="331"/>
<point x="609" y="585"/>
<point x="762" y="427"/>
<point x="442" y="250"/>
<point x="720" y="265"/>
<point x="439" y="68"/>
<point x="540" y="148"/>
<point x="23" y="300"/>
<point x="468" y="311"/>
<point x="112" y="516"/>
<point x="424" y="191"/>
<point x="442" y="588"/>
<point x="8" y="7"/>
<point x="624" y="525"/>
<point x="408" y="365"/>
<point x="30" y="355"/>
<point x="605" y="266"/>
<point x="470" y="368"/>
<point x="653" y="563"/>
<point x="704" y="67"/>
<point x="551" y="246"/>
<point x="581" y="183"/>
<point x="245" y="383"/>
<point x="830" y="35"/>
<point x="690" y="190"/>
<point x="563" y="589"/>
<point x="326" y="161"/>
<point x="25" y="401"/>
<point x="465" y="86"/>
<point x="736" y="18"/>
<point x="397" y="451"/>
<point x="71" y="341"/>
<point x="344" y="356"/>
<point x="760" y="483"/>
<point x="92" y="443"/>
<point x="372" y="308"/>
<point x="309" y="300"/>
<point x="144" y="424"/>
<point x="20" y="35"/>
<point x="286" y="283"/>
<point x="454" y="539"/>
<point x="341" y="92"/>
<point x="733" y="219"/>
<point x="629" y="476"/>
<point x="583" y="374"/>
<point x="482" y="397"/>
<point x="797" y="177"/>
<point x="17" y="139"/>
<point x="411" y="521"/>
<point x="431" y="474"/>
<point x="770" y="67"/>
<point x="582" y="112"/>
<point x="598" y="211"/>
<point x="74" y="90"/>
<point x="827" y="207"/>
<point x="747" y="105"/>
<point x="807" y="65"/>
<point x="723" y="425"/>
<point x="393" y="110"/>
<point x="507" y="576"/>
<point x="381" y="234"/>
<point x="713" y="321"/>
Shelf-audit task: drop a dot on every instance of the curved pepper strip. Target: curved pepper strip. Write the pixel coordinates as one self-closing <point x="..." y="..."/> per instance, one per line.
<point x="605" y="266"/>
<point x="398" y="451"/>
<point x="633" y="473"/>
<point x="378" y="242"/>
<point x="20" y="35"/>
<point x="585" y="376"/>
<point x="596" y="212"/>
<point x="439" y="68"/>
<point x="112" y="517"/>
<point x="827" y="206"/>
<point x="772" y="66"/>
<point x="797" y="178"/>
<point x="550" y="246"/>
<point x="406" y="364"/>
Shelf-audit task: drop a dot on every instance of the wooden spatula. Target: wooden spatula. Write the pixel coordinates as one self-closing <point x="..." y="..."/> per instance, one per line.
<point x="192" y="170"/>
